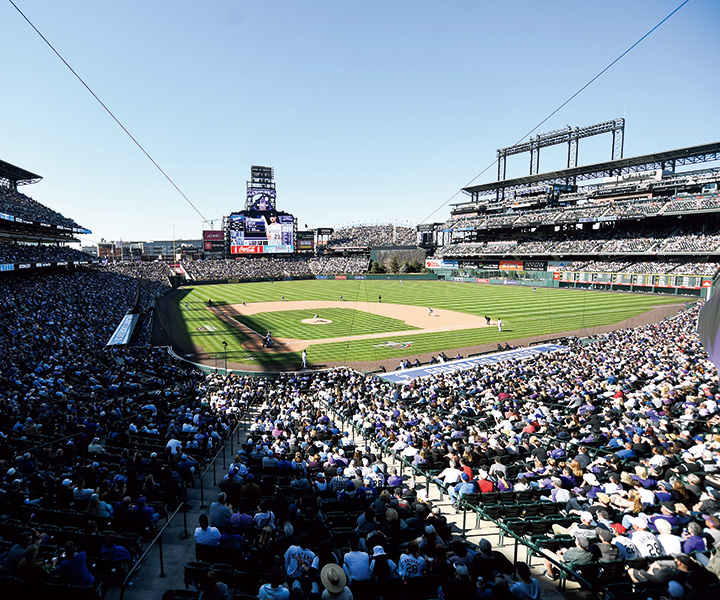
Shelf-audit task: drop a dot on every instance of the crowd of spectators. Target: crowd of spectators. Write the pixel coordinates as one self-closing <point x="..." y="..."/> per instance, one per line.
<point x="597" y="210"/>
<point x="17" y="204"/>
<point x="260" y="268"/>
<point x="620" y="427"/>
<point x="691" y="202"/>
<point x="373" y="235"/>
<point x="91" y="440"/>
<point x="692" y="242"/>
<point x="707" y="269"/>
<point x="589" y="242"/>
<point x="34" y="253"/>
<point x="618" y="433"/>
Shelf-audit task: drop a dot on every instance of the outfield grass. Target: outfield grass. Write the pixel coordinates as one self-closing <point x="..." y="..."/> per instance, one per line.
<point x="524" y="313"/>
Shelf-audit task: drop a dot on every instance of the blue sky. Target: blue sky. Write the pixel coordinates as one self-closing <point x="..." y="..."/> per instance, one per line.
<point x="368" y="111"/>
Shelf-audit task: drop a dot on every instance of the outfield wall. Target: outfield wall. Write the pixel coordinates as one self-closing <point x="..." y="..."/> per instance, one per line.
<point x="695" y="286"/>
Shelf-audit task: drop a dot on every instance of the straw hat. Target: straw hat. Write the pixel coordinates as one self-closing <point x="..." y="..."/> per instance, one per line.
<point x="333" y="578"/>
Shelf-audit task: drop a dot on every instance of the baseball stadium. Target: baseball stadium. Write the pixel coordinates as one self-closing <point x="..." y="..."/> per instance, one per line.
<point x="518" y="400"/>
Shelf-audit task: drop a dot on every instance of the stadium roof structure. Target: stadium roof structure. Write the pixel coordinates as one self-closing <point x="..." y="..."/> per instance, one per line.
<point x="667" y="160"/>
<point x="16" y="176"/>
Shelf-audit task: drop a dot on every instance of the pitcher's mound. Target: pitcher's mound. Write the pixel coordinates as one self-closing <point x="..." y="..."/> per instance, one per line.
<point x="317" y="321"/>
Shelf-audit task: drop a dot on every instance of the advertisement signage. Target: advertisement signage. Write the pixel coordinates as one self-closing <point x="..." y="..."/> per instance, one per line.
<point x="213" y="236"/>
<point x="536" y="265"/>
<point x="214" y="246"/>
<point x="305" y="241"/>
<point x="511" y="265"/>
<point x="432" y="263"/>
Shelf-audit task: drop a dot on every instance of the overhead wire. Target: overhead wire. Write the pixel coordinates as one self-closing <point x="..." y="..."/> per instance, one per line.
<point x="561" y="106"/>
<point x="482" y="172"/>
<point x="108" y="111"/>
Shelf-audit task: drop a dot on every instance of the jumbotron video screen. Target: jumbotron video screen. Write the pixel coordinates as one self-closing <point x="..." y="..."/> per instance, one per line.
<point x="266" y="232"/>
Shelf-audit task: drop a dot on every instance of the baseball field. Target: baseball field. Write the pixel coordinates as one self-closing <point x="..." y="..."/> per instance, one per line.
<point x="366" y="323"/>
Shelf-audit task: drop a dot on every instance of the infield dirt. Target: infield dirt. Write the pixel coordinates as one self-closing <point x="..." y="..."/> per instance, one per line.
<point x="415" y="316"/>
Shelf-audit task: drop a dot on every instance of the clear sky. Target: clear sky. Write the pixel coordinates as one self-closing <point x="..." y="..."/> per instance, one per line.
<point x="368" y="111"/>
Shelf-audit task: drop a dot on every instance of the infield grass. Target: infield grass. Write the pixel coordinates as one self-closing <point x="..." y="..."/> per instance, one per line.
<point x="289" y="323"/>
<point x="524" y="313"/>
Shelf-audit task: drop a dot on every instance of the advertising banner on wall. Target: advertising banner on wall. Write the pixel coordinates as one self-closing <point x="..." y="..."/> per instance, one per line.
<point x="535" y="265"/>
<point x="511" y="265"/>
<point x="213" y="235"/>
<point x="490" y="265"/>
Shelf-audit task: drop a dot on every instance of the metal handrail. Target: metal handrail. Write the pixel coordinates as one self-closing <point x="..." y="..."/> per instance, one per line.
<point x="157" y="538"/>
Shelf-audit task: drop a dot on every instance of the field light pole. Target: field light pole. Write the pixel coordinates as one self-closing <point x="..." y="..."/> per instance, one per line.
<point x="225" y="347"/>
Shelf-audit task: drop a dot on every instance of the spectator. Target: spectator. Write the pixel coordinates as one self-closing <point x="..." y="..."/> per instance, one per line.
<point x="206" y="535"/>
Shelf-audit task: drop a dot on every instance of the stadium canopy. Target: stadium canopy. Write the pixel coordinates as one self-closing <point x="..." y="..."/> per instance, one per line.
<point x="15" y="176"/>
<point x="667" y="161"/>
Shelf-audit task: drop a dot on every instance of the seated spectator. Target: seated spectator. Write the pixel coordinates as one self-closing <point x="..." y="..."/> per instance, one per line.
<point x="298" y="559"/>
<point x="411" y="563"/>
<point x="220" y="513"/>
<point x="206" y="535"/>
<point x="381" y="566"/>
<point x="213" y="589"/>
<point x="335" y="581"/>
<point x="486" y="563"/>
<point x="264" y="517"/>
<point x="670" y="544"/>
<point x="145" y="516"/>
<point x="32" y="569"/>
<point x="73" y="568"/>
<point x="527" y="587"/>
<point x="113" y="552"/>
<point x="693" y="541"/>
<point x="459" y="585"/>
<point x="276" y="588"/>
<point x="646" y="543"/>
<point x="571" y="557"/>
<point x="356" y="563"/>
<point x="604" y="550"/>
<point x="98" y="508"/>
<point x="16" y="554"/>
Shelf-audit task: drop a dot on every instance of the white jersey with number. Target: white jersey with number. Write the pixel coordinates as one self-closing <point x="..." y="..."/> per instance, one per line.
<point x="411" y="566"/>
<point x="646" y="544"/>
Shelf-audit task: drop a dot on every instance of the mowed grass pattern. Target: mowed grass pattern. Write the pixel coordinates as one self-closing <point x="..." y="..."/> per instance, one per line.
<point x="289" y="323"/>
<point x="524" y="314"/>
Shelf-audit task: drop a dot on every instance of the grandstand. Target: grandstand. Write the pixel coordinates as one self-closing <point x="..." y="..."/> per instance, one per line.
<point x="485" y="467"/>
<point x="31" y="234"/>
<point x="636" y="215"/>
